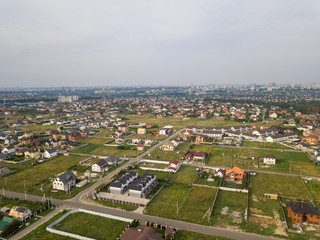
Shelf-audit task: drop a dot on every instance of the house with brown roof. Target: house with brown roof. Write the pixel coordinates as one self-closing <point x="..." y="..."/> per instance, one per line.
<point x="168" y="146"/>
<point x="303" y="212"/>
<point x="235" y="175"/>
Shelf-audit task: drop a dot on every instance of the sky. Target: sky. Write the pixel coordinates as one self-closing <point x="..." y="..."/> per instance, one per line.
<point x="46" y="43"/>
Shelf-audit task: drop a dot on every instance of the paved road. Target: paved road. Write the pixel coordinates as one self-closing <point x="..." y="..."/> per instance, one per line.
<point x="70" y="204"/>
<point x="81" y="201"/>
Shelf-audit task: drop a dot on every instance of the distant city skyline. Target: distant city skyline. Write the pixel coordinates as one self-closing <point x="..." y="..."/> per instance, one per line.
<point x="169" y="43"/>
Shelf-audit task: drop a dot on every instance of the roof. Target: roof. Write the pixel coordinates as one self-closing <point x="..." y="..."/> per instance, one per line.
<point x="303" y="208"/>
<point x="235" y="170"/>
<point x="102" y="163"/>
<point x="269" y="156"/>
<point x="112" y="159"/>
<point x="52" y="150"/>
<point x="5" y="221"/>
<point x="198" y="154"/>
<point x="67" y="176"/>
<point x="175" y="162"/>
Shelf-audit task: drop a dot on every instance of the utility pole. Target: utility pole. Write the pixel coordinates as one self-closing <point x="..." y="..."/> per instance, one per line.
<point x="177" y="208"/>
<point x="25" y="194"/>
<point x="3" y="191"/>
<point x="5" y="180"/>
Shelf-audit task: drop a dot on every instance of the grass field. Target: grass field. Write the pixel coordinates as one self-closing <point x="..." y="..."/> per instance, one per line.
<point x="179" y="152"/>
<point x="117" y="205"/>
<point x="41" y="232"/>
<point x="270" y="145"/>
<point x="96" y="227"/>
<point x="192" y="203"/>
<point x="289" y="186"/>
<point x="229" y="208"/>
<point x="33" y="176"/>
<point x="188" y="235"/>
<point x="185" y="175"/>
<point x="36" y="129"/>
<point x="160" y="175"/>
<point x="314" y="188"/>
<point x="99" y="149"/>
<point x="96" y="140"/>
<point x="10" y="202"/>
<point x="179" y="122"/>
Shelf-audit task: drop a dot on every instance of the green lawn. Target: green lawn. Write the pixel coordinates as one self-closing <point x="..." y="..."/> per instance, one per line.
<point x="10" y="202"/>
<point x="229" y="208"/>
<point x="41" y="232"/>
<point x="34" y="176"/>
<point x="289" y="186"/>
<point x="36" y="129"/>
<point x="99" y="149"/>
<point x="192" y="203"/>
<point x="96" y="227"/>
<point x="96" y="140"/>
<point x="314" y="188"/>
<point x="117" y="205"/>
<point x="179" y="152"/>
<point x="270" y="145"/>
<point x="188" y="235"/>
<point x="185" y="175"/>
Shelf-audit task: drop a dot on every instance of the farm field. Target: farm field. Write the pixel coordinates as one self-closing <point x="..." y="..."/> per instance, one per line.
<point x="283" y="185"/>
<point x="192" y="203"/>
<point x="33" y="176"/>
<point x="99" y="227"/>
<point x="229" y="208"/>
<point x="188" y="235"/>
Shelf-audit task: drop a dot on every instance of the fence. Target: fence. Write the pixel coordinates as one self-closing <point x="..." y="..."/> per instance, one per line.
<point x="234" y="189"/>
<point x="50" y="227"/>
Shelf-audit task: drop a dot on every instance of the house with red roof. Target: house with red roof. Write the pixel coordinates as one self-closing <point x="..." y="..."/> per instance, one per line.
<point x="140" y="147"/>
<point x="235" y="175"/>
<point x="199" y="156"/>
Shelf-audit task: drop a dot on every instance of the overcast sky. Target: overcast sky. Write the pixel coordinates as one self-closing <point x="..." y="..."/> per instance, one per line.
<point x="167" y="42"/>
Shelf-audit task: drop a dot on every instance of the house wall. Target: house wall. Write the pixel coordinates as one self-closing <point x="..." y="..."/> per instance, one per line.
<point x="296" y="218"/>
<point x="115" y="190"/>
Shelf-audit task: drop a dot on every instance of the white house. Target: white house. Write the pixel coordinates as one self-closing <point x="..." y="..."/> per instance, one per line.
<point x="65" y="181"/>
<point x="175" y="142"/>
<point x="163" y="132"/>
<point x="148" y="142"/>
<point x="269" y="159"/>
<point x="20" y="213"/>
<point x="8" y="150"/>
<point x="121" y="183"/>
<point x="49" y="153"/>
<point x="136" y="140"/>
<point x="100" y="166"/>
<point x="142" y="186"/>
<point x="3" y="168"/>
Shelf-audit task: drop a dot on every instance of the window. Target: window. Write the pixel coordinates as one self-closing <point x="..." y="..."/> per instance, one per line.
<point x="298" y="220"/>
<point x="295" y="214"/>
<point x="311" y="215"/>
<point x="298" y="215"/>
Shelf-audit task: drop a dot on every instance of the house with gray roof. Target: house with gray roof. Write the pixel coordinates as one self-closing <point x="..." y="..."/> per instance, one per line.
<point x="65" y="181"/>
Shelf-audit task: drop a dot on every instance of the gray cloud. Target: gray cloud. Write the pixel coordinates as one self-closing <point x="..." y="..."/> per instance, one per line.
<point x="85" y="43"/>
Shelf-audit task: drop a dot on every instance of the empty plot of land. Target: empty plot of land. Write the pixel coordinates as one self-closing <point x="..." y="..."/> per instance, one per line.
<point x="182" y="202"/>
<point x="283" y="185"/>
<point x="176" y="154"/>
<point x="95" y="226"/>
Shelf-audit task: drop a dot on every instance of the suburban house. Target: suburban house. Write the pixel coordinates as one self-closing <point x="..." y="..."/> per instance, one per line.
<point x="168" y="146"/>
<point x="49" y="153"/>
<point x="140" y="147"/>
<point x="312" y="139"/>
<point x="235" y="175"/>
<point x="142" y="186"/>
<point x="175" y="142"/>
<point x="201" y="139"/>
<point x="303" y="212"/>
<point x="65" y="181"/>
<point x="20" y="213"/>
<point x="163" y="132"/>
<point x="120" y="140"/>
<point x="174" y="165"/>
<point x="269" y="159"/>
<point x="199" y="156"/>
<point x="3" y="168"/>
<point x="123" y="127"/>
<point x="121" y="183"/>
<point x="219" y="173"/>
<point x="148" y="141"/>
<point x="142" y="131"/>
<point x="188" y="156"/>
<point x="136" y="140"/>
<point x="31" y="153"/>
<point x="282" y="137"/>
<point x="112" y="161"/>
<point x="8" y="150"/>
<point x="101" y="166"/>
